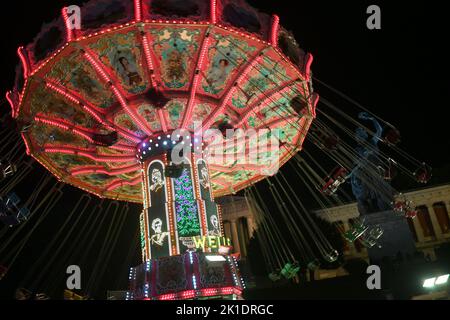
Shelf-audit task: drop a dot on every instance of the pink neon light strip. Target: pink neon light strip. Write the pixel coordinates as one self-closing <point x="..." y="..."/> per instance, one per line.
<point x="102" y="170"/>
<point x="150" y="65"/>
<point x="85" y="133"/>
<point x="100" y="119"/>
<point x="274" y="30"/>
<point x="309" y="62"/>
<point x="97" y="67"/>
<point x="315" y="101"/>
<point x="142" y="125"/>
<point x="26" y="67"/>
<point x="69" y="31"/>
<point x="138" y="10"/>
<point x="65" y="126"/>
<point x="126" y="148"/>
<point x="11" y="103"/>
<point x="148" y="58"/>
<point x="195" y="83"/>
<point x="91" y="155"/>
<point x="213" y="12"/>
<point x="27" y="146"/>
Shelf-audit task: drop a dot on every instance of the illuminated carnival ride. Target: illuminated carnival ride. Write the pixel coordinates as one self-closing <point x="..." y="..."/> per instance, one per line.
<point x="103" y="107"/>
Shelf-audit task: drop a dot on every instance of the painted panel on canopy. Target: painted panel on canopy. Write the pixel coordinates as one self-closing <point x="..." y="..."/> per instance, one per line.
<point x="123" y="120"/>
<point x="114" y="165"/>
<point x="237" y="177"/>
<point x="176" y="109"/>
<point x="67" y="162"/>
<point x="227" y="55"/>
<point x="176" y="50"/>
<point x="46" y="102"/>
<point x="96" y="180"/>
<point x="122" y="54"/>
<point x="201" y="112"/>
<point x="76" y="74"/>
<point x="148" y="112"/>
<point x="263" y="78"/>
<point x="130" y="176"/>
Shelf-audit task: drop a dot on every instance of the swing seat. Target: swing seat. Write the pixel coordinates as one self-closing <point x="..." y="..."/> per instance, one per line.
<point x="355" y="233"/>
<point x="275" y="277"/>
<point x="7" y="169"/>
<point x="368" y="243"/>
<point x="423" y="174"/>
<point x="400" y="206"/>
<point x="390" y="171"/>
<point x="411" y="214"/>
<point x="376" y="233"/>
<point x="338" y="178"/>
<point x="332" y="257"/>
<point x="10" y="214"/>
<point x="290" y="271"/>
<point x="24" y="213"/>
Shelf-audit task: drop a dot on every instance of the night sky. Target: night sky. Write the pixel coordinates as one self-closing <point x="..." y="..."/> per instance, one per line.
<point x="400" y="73"/>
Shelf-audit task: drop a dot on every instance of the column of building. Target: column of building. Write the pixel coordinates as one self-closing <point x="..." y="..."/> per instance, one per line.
<point x="434" y="221"/>
<point x="235" y="236"/>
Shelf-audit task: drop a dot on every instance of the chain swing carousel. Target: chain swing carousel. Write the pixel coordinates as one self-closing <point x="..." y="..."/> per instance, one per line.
<point x="103" y="107"/>
<point x="98" y="106"/>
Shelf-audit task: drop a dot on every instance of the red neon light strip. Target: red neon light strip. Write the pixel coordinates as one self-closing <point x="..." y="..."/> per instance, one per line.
<point x="195" y="82"/>
<point x="23" y="57"/>
<point x="213" y="11"/>
<point x="126" y="148"/>
<point x="148" y="58"/>
<point x="96" y="115"/>
<point x="11" y="103"/>
<point x="142" y="125"/>
<point x="97" y="67"/>
<point x="69" y="31"/>
<point x="121" y="183"/>
<point x="163" y="120"/>
<point x="150" y="65"/>
<point x="274" y="30"/>
<point x="138" y="10"/>
<point x="91" y="155"/>
<point x="309" y="62"/>
<point x="102" y="170"/>
<point x="27" y="146"/>
<point x="85" y="133"/>
<point x="208" y="122"/>
<point x="315" y="101"/>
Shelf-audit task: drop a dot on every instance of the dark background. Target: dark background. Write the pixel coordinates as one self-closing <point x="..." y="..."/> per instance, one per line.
<point x="400" y="73"/>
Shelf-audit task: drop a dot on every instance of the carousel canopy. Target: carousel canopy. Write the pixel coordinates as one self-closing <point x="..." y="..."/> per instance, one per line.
<point x="87" y="98"/>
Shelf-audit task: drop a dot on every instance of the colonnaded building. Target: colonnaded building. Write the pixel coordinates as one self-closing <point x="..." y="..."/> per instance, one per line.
<point x="430" y="229"/>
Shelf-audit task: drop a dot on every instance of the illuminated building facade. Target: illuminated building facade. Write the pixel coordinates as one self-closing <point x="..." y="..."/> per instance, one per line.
<point x="430" y="229"/>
